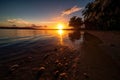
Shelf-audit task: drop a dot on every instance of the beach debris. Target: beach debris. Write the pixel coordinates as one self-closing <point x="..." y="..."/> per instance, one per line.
<point x="74" y="66"/>
<point x="64" y="58"/>
<point x="14" y="67"/>
<point x="42" y="68"/>
<point x="40" y="72"/>
<point x="46" y="56"/>
<point x="63" y="76"/>
<point x="60" y="65"/>
<point x="56" y="74"/>
<point x="57" y="61"/>
<point x="86" y="75"/>
<point x="66" y="64"/>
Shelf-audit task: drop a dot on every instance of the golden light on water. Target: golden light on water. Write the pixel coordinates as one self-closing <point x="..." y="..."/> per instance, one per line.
<point x="61" y="32"/>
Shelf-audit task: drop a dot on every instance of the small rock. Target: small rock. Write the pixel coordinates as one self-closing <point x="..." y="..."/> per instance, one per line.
<point x="63" y="76"/>
<point x="86" y="75"/>
<point x="40" y="72"/>
<point x="57" y="61"/>
<point x="66" y="64"/>
<point x="42" y="68"/>
<point x="64" y="58"/>
<point x="60" y="65"/>
<point x="74" y="66"/>
<point x="46" y="56"/>
<point x="56" y="74"/>
<point x="14" y="67"/>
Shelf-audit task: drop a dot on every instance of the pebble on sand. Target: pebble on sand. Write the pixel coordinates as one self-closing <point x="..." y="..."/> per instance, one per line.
<point x="57" y="61"/>
<point x="41" y="68"/>
<point x="60" y="65"/>
<point x="40" y="72"/>
<point x="14" y="67"/>
<point x="63" y="76"/>
<point x="86" y="75"/>
<point x="56" y="74"/>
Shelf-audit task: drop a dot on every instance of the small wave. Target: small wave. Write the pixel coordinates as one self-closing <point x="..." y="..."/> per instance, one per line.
<point x="23" y="40"/>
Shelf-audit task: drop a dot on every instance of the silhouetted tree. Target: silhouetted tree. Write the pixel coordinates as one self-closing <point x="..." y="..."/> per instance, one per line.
<point x="14" y="25"/>
<point x="75" y="22"/>
<point x="105" y="14"/>
<point x="33" y="26"/>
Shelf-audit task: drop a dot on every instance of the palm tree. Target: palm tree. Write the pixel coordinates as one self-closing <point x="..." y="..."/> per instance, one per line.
<point x="103" y="13"/>
<point x="75" y="22"/>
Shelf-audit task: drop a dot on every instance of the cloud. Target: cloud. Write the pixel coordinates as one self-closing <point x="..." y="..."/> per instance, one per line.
<point x="47" y="22"/>
<point x="71" y="10"/>
<point x="18" y="21"/>
<point x="59" y="19"/>
<point x="11" y="20"/>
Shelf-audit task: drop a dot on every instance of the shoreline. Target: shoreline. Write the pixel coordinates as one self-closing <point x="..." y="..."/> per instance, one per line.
<point x="90" y="61"/>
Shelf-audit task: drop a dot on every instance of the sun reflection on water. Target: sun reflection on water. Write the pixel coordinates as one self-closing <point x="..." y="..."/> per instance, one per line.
<point x="61" y="32"/>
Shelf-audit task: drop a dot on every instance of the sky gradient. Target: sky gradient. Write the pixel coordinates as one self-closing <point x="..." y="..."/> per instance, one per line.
<point x="39" y="12"/>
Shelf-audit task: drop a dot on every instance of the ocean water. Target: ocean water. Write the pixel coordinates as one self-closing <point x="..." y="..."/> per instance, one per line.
<point x="21" y="37"/>
<point x="18" y="43"/>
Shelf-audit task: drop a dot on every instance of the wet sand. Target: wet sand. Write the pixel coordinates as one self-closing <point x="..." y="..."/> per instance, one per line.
<point x="90" y="61"/>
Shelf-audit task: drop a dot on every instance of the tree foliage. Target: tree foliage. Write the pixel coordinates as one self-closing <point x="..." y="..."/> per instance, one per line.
<point x="105" y="14"/>
<point x="75" y="22"/>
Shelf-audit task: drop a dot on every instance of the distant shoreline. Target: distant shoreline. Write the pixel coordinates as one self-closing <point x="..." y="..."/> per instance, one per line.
<point x="16" y="28"/>
<point x="30" y="28"/>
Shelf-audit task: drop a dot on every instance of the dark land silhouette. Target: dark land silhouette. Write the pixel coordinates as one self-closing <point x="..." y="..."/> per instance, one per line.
<point x="102" y="15"/>
<point x="99" y="15"/>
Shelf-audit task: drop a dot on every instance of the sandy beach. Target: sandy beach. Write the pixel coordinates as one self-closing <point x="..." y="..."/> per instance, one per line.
<point x="96" y="58"/>
<point x="59" y="39"/>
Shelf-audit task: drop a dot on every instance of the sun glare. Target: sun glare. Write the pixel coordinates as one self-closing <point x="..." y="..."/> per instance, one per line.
<point x="60" y="26"/>
<point x="60" y="31"/>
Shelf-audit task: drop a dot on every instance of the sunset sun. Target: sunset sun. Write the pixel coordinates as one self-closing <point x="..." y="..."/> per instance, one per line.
<point x="59" y="39"/>
<point x="60" y="26"/>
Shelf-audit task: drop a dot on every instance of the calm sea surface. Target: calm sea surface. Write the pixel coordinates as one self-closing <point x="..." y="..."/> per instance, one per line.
<point x="14" y="42"/>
